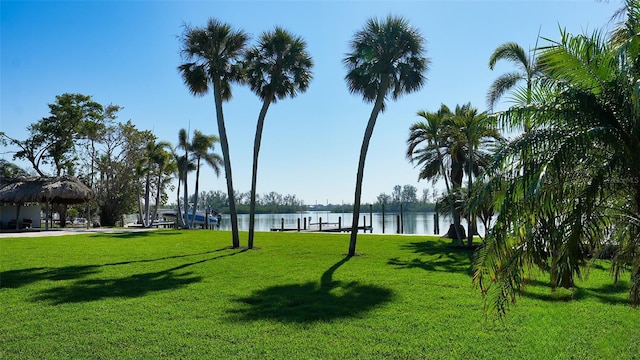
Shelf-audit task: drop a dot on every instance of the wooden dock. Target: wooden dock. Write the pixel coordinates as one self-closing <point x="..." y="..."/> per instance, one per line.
<point x="324" y="227"/>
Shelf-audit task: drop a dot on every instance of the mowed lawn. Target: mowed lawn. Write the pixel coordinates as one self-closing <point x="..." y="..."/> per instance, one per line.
<point x="186" y="294"/>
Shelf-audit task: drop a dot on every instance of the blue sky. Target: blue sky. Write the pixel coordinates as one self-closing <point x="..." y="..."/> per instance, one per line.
<point x="127" y="52"/>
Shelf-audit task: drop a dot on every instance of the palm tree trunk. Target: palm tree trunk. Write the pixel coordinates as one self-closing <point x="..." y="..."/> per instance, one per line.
<point x="254" y="175"/>
<point x="155" y="211"/>
<point x="363" y="155"/>
<point x="224" y="144"/>
<point x="195" y="199"/>
<point x="471" y="228"/>
<point x="147" y="204"/>
<point x="179" y="217"/>
<point x="185" y="211"/>
<point x="451" y="205"/>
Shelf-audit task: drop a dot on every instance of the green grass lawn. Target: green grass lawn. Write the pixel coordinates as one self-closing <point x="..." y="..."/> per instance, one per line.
<point x="185" y="294"/>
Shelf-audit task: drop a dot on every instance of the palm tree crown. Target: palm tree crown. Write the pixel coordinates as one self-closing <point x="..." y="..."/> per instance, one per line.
<point x="279" y="66"/>
<point x="386" y="56"/>
<point x="528" y="70"/>
<point x="211" y="53"/>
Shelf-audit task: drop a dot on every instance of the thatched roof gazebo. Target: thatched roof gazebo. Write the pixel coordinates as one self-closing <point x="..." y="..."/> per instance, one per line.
<point x="49" y="190"/>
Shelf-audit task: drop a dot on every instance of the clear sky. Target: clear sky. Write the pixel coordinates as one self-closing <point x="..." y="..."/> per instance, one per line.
<point x="127" y="52"/>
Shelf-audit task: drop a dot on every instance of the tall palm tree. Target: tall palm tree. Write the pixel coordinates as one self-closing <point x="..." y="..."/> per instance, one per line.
<point x="386" y="58"/>
<point x="211" y="54"/>
<point x="584" y="165"/>
<point x="278" y="67"/>
<point x="200" y="146"/>
<point x="185" y="165"/>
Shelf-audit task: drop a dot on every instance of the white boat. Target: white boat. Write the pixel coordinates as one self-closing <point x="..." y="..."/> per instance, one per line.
<point x="199" y="219"/>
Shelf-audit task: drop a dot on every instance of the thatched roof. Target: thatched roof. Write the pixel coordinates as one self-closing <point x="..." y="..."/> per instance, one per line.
<point x="57" y="190"/>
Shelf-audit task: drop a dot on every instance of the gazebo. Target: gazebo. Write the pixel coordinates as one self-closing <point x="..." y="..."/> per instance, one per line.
<point x="48" y="190"/>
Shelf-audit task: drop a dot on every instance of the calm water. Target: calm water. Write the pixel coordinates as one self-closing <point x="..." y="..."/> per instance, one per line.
<point x="413" y="223"/>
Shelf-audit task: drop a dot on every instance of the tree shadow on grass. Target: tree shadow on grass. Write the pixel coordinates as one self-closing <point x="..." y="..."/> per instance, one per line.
<point x="312" y="301"/>
<point x="84" y="290"/>
<point x="609" y="293"/>
<point x="127" y="287"/>
<point x="22" y="277"/>
<point x="440" y="256"/>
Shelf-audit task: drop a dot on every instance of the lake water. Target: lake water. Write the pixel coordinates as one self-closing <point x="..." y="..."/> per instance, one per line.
<point x="413" y="223"/>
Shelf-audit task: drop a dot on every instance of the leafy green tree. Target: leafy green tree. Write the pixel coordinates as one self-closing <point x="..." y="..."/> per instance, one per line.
<point x="52" y="140"/>
<point x="386" y="58"/>
<point x="200" y="146"/>
<point x="211" y="56"/>
<point x="580" y="194"/>
<point x="277" y="68"/>
<point x="121" y="148"/>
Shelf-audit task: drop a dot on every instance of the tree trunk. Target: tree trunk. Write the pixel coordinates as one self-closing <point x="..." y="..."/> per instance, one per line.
<point x="224" y="144"/>
<point x="195" y="197"/>
<point x="179" y="217"/>
<point x="147" y="201"/>
<point x="155" y="211"/>
<point x="363" y="155"/>
<point x="472" y="221"/>
<point x="254" y="175"/>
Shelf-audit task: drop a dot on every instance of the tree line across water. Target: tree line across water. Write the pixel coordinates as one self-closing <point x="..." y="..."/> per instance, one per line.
<point x="403" y="198"/>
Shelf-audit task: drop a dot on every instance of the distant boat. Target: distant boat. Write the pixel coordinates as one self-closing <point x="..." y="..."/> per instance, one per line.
<point x="199" y="219"/>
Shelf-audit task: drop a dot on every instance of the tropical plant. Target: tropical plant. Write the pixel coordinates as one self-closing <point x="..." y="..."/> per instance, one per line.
<point x="211" y="54"/>
<point x="580" y="194"/>
<point x="277" y="67"/>
<point x="429" y="148"/>
<point x="528" y="72"/>
<point x="478" y="133"/>
<point x="460" y="140"/>
<point x="165" y="166"/>
<point x="386" y="58"/>
<point x="200" y="146"/>
<point x="184" y="165"/>
<point x="156" y="157"/>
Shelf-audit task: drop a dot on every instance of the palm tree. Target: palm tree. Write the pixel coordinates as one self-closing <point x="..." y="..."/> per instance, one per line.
<point x="528" y="72"/>
<point x="386" y="58"/>
<point x="147" y="167"/>
<point x="278" y="67"/>
<point x="434" y="156"/>
<point x="185" y="165"/>
<point x="163" y="159"/>
<point x="211" y="54"/>
<point x="583" y="169"/>
<point x="477" y="130"/>
<point x="200" y="146"/>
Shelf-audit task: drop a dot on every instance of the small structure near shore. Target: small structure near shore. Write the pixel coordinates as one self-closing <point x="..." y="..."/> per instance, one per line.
<point x="20" y="191"/>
